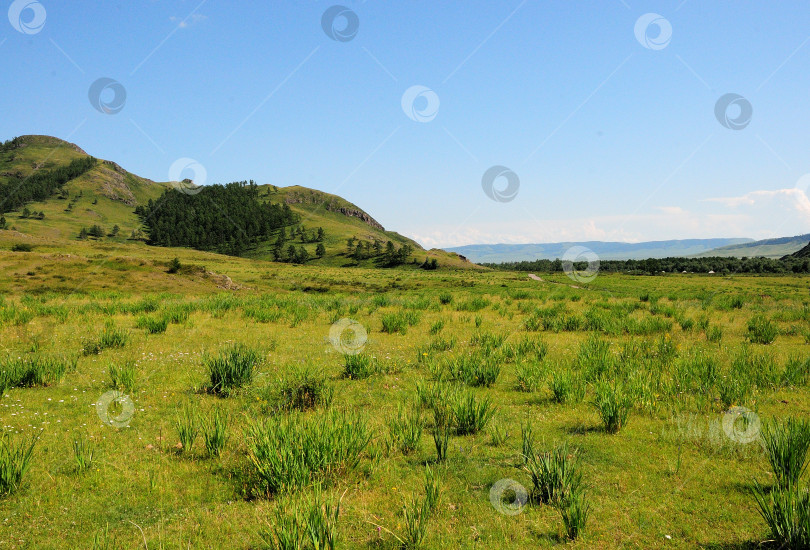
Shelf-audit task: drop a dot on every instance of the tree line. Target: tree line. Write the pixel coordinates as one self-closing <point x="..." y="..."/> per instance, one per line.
<point x="653" y="266"/>
<point x="19" y="190"/>
<point x="222" y="218"/>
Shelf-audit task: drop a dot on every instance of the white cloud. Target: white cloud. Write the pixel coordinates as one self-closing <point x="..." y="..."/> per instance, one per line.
<point x="188" y="21"/>
<point x="795" y="198"/>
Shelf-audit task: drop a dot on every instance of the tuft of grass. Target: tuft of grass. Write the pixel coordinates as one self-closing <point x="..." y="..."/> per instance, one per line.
<point x="529" y="376"/>
<point x="406" y="429"/>
<point x="233" y="368"/>
<point x="359" y="366"/>
<point x="566" y="386"/>
<point x="575" y="511"/>
<point x="399" y="322"/>
<point x="214" y="428"/>
<point x="83" y="452"/>
<point x="786" y="445"/>
<point x="15" y="461"/>
<point x="153" y="325"/>
<point x="303" y="388"/>
<point x="471" y="415"/>
<point x="761" y="330"/>
<point x="613" y="404"/>
<point x="122" y="377"/>
<point x="297" y="527"/>
<point x="556" y="475"/>
<point x="475" y="370"/>
<point x="290" y="452"/>
<point x="187" y="424"/>
<point x="110" y="337"/>
<point x="27" y="372"/>
<point x="498" y="434"/>
<point x="786" y="511"/>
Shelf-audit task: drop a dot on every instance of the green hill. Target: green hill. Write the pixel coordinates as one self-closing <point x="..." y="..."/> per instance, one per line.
<point x="107" y="195"/>
<point x="768" y="248"/>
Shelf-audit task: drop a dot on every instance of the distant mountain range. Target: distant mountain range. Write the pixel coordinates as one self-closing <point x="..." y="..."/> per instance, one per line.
<point x="741" y="247"/>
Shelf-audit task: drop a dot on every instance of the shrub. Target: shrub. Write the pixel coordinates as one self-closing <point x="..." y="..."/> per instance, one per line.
<point x="359" y="366"/>
<point x="233" y="368"/>
<point x="291" y="452"/>
<point x="761" y="330"/>
<point x="215" y="432"/>
<point x="555" y="474"/>
<point x="21" y="247"/>
<point x="613" y="404"/>
<point x="122" y="377"/>
<point x="15" y="460"/>
<point x="471" y="415"/>
<point x="786" y="445"/>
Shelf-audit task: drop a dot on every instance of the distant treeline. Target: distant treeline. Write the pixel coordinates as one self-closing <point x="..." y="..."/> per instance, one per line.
<point x="19" y="190"/>
<point x="223" y="218"/>
<point x="654" y="266"/>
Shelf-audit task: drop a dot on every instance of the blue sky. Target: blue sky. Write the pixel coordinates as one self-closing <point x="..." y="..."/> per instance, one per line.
<point x="611" y="135"/>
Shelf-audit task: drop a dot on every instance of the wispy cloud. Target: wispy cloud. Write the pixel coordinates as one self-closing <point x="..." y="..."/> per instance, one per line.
<point x="797" y="198"/>
<point x="189" y="21"/>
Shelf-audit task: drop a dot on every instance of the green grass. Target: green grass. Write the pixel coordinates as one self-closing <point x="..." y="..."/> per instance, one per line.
<point x="233" y="368"/>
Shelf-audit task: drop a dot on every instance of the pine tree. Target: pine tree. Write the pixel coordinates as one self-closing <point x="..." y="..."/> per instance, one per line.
<point x="321" y="234"/>
<point x="320" y="250"/>
<point x="83" y="234"/>
<point x="2" y="222"/>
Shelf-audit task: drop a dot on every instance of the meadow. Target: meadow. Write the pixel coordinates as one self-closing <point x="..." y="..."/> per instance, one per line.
<point x="356" y="408"/>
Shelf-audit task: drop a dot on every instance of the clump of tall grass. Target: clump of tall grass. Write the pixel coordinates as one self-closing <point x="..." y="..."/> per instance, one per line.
<point x="786" y="445"/>
<point x="613" y="403"/>
<point x="437" y="327"/>
<point x="122" y="377"/>
<point x="110" y="337"/>
<point x="498" y="434"/>
<point x="33" y="371"/>
<point x="786" y="511"/>
<point x="566" y="386"/>
<point x="83" y="453"/>
<point x="15" y="461"/>
<point x="187" y="425"/>
<point x="575" y="511"/>
<point x="406" y="429"/>
<point x="470" y="414"/>
<point x="233" y="368"/>
<point x="292" y="452"/>
<point x="595" y="359"/>
<point x="152" y="324"/>
<point x="399" y="322"/>
<point x="555" y="474"/>
<point x="475" y="370"/>
<point x="797" y="371"/>
<point x="417" y="512"/>
<point x="359" y="366"/>
<point x="529" y="376"/>
<point x="297" y="527"/>
<point x="302" y="389"/>
<point x="761" y="330"/>
<point x="473" y="305"/>
<point x="214" y="428"/>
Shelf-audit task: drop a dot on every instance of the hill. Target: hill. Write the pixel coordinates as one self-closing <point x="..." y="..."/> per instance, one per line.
<point x="768" y="248"/>
<point x="107" y="195"/>
<point x="803" y="253"/>
<point x="495" y="253"/>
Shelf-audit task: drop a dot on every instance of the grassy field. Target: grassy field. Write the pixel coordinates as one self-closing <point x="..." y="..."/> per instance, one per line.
<point x="675" y="353"/>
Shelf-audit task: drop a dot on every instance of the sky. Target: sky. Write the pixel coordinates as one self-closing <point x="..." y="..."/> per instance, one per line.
<point x="454" y="122"/>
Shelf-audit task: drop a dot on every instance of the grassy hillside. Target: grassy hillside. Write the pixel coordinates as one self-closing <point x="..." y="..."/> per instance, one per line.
<point x="107" y="196"/>
<point x="768" y="248"/>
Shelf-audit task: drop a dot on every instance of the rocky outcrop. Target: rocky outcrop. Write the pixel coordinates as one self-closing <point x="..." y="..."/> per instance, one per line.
<point x="332" y="205"/>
